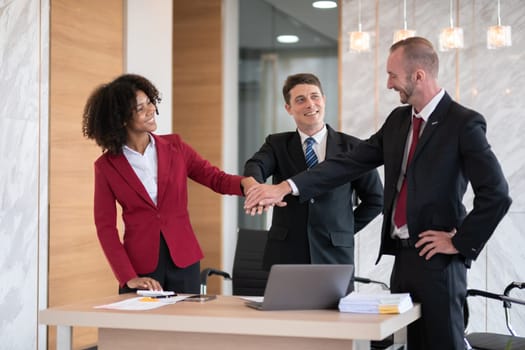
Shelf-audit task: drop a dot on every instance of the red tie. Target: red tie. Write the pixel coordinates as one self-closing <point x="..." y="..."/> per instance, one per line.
<point x="400" y="216"/>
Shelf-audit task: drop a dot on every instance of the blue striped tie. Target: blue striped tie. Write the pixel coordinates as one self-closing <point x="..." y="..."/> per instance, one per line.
<point x="309" y="154"/>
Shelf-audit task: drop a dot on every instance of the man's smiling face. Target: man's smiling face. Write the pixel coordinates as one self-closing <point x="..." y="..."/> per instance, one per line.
<point x="307" y="105"/>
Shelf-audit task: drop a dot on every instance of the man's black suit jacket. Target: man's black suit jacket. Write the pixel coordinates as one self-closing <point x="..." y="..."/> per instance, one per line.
<point x="452" y="151"/>
<point x="321" y="230"/>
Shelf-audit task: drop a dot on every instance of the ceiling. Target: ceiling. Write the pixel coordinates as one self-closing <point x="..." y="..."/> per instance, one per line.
<point x="262" y="20"/>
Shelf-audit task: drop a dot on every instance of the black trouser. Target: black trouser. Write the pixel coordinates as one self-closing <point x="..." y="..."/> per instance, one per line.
<point x="171" y="277"/>
<point x="442" y="294"/>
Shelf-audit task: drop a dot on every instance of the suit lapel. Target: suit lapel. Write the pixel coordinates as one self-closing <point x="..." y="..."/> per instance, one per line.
<point x="333" y="142"/>
<point x="401" y="135"/>
<point x="164" y="164"/>
<point x="433" y="122"/>
<point x="295" y="150"/>
<point x="122" y="166"/>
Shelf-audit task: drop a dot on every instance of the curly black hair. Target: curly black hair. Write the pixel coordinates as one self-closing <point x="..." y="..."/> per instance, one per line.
<point x="110" y="107"/>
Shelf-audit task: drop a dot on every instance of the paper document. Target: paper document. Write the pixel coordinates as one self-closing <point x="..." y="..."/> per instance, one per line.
<point x="379" y="303"/>
<point x="141" y="303"/>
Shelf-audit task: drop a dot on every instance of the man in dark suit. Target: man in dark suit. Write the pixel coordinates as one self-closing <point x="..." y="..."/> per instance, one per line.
<point x="321" y="230"/>
<point x="425" y="224"/>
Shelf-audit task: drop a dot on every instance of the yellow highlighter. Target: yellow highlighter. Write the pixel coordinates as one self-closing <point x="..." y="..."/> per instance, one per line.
<point x="148" y="299"/>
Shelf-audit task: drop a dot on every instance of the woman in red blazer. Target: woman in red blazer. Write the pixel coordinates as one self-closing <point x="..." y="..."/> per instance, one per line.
<point x="147" y="175"/>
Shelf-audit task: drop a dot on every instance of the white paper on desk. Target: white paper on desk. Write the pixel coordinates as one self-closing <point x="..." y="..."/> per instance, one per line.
<point x="138" y="303"/>
<point x="380" y="303"/>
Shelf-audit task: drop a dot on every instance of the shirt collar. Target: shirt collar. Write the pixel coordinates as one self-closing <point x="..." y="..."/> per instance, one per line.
<point x="318" y="137"/>
<point x="430" y="107"/>
<point x="151" y="143"/>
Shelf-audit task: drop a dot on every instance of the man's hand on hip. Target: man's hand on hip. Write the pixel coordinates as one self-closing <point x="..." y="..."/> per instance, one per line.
<point x="434" y="242"/>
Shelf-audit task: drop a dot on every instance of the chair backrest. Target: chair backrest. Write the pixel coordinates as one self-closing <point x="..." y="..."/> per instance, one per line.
<point x="248" y="276"/>
<point x="488" y="340"/>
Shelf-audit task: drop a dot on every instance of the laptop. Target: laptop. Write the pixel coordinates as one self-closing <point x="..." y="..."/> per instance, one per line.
<point x="305" y="287"/>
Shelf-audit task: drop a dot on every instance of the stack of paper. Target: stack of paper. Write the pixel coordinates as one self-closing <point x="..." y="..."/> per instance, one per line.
<point x="381" y="303"/>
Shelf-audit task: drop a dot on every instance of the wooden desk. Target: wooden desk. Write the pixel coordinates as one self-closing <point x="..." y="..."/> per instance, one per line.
<point x="220" y="324"/>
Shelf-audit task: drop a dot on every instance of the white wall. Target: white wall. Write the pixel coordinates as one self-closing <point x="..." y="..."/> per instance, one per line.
<point x="23" y="154"/>
<point x="148" y="45"/>
<point x="230" y="39"/>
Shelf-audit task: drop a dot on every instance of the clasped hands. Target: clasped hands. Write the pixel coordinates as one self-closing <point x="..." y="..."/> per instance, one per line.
<point x="261" y="197"/>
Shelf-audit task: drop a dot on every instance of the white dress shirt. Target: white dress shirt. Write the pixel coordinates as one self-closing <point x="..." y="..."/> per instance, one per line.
<point x="145" y="166"/>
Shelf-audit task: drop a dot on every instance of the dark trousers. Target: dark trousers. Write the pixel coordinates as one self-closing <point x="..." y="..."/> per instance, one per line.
<point x="441" y="292"/>
<point x="171" y="277"/>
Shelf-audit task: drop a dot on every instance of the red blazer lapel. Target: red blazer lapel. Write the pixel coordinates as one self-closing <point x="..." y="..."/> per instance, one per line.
<point x="164" y="164"/>
<point x="122" y="166"/>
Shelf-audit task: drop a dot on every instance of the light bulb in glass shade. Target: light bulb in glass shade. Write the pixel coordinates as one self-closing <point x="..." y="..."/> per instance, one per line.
<point x="359" y="41"/>
<point x="499" y="36"/>
<point x="451" y="38"/>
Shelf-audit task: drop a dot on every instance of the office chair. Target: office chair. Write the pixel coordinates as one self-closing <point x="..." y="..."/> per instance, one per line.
<point x="248" y="276"/>
<point x="496" y="341"/>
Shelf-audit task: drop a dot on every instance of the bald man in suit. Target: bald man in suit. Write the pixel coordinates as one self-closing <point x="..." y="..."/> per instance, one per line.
<point x="426" y="226"/>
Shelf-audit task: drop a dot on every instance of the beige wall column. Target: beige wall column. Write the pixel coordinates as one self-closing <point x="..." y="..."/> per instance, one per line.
<point x="197" y="111"/>
<point x="86" y="50"/>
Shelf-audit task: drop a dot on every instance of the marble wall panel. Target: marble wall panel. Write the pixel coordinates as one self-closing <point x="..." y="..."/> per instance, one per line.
<point x="20" y="118"/>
